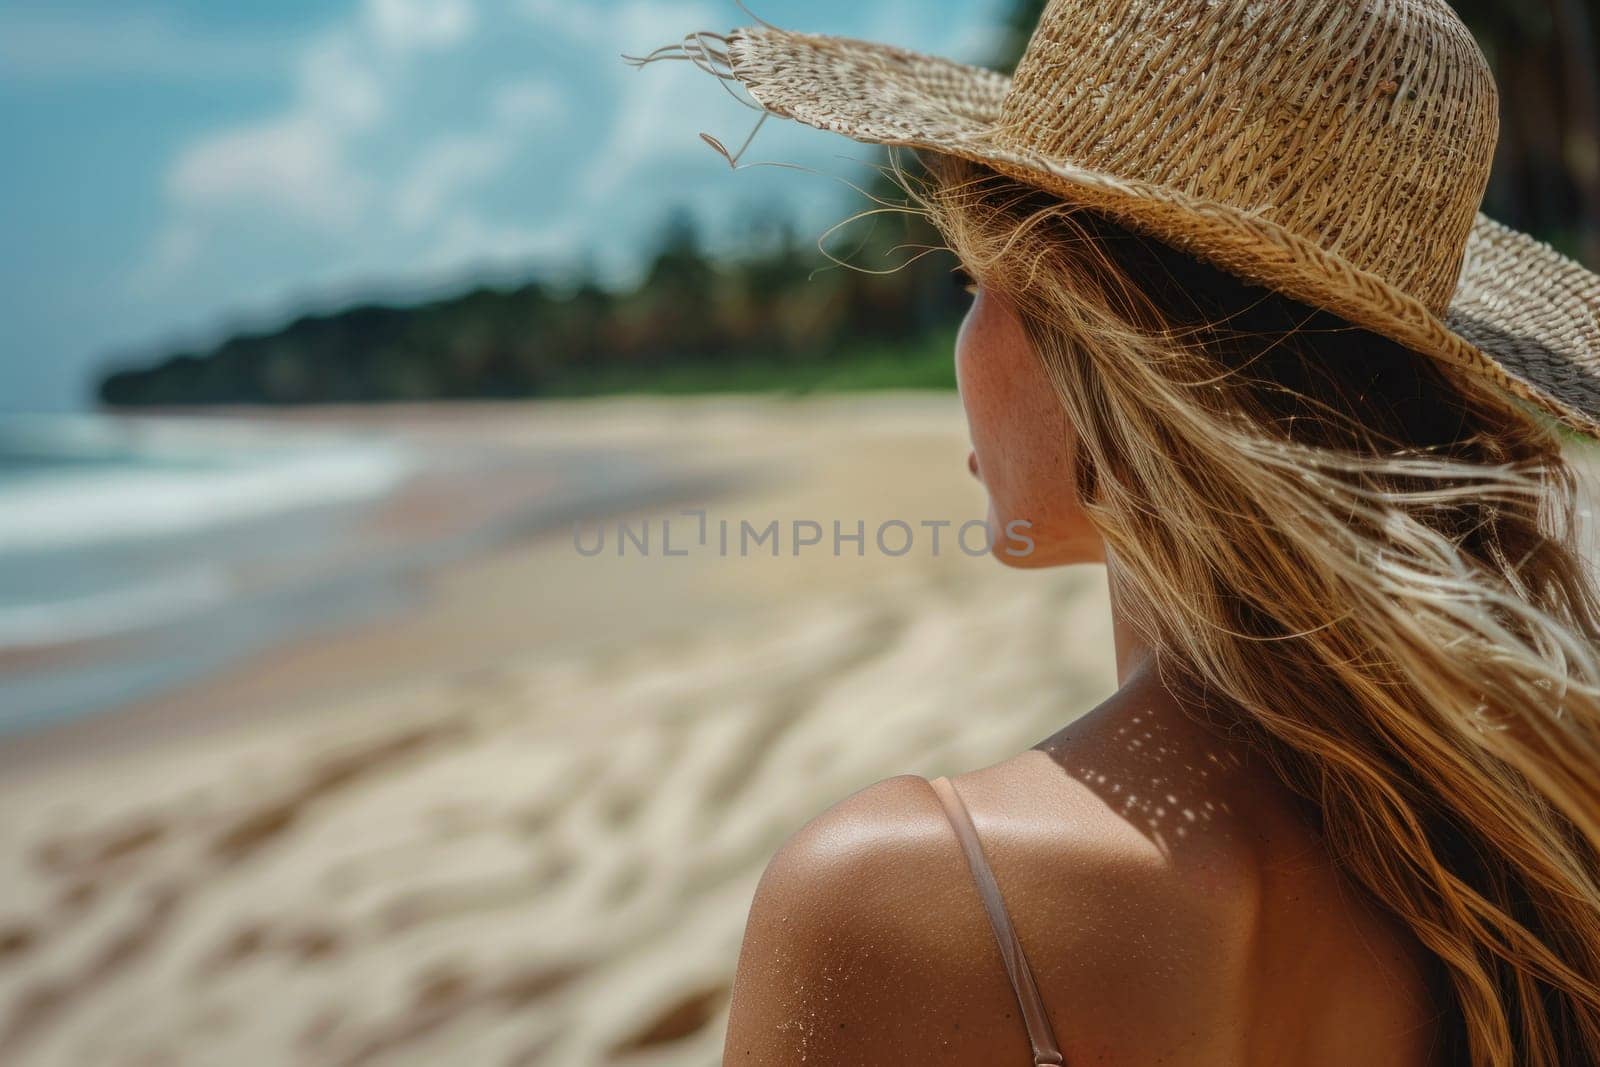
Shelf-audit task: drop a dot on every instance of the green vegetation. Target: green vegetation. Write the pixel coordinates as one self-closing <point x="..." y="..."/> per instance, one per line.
<point x="772" y="320"/>
<point x="926" y="363"/>
<point x="781" y="318"/>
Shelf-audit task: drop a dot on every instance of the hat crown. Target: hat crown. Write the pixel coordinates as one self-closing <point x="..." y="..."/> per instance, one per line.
<point x="1365" y="126"/>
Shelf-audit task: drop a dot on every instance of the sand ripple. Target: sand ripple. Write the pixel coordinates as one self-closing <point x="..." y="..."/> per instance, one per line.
<point x="544" y="865"/>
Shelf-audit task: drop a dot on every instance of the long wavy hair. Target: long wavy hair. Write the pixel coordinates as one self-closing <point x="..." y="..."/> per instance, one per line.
<point x="1371" y="562"/>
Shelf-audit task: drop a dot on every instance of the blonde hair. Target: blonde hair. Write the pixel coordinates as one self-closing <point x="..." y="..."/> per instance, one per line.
<point x="1371" y="563"/>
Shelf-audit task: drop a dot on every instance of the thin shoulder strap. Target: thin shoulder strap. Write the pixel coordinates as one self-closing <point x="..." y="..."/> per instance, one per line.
<point x="1040" y="1034"/>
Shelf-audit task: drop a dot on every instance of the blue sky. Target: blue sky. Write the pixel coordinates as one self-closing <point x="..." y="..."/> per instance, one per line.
<point x="182" y="169"/>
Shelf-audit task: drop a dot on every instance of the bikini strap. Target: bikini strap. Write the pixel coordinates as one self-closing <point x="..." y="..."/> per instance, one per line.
<point x="1040" y="1034"/>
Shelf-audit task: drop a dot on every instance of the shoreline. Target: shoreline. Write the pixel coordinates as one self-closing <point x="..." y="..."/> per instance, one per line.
<point x="491" y="497"/>
<point x="433" y="631"/>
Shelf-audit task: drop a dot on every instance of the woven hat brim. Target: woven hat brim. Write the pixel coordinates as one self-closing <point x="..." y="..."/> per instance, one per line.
<point x="1523" y="317"/>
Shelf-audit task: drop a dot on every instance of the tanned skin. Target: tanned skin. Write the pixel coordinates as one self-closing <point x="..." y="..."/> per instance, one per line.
<point x="1174" y="899"/>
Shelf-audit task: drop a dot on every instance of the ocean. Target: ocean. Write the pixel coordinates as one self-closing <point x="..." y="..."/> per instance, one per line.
<point x="136" y="554"/>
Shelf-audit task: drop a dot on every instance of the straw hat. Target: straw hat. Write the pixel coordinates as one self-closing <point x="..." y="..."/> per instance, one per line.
<point x="1333" y="150"/>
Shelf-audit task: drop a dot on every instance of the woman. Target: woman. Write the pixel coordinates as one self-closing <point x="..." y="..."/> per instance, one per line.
<point x="1240" y="333"/>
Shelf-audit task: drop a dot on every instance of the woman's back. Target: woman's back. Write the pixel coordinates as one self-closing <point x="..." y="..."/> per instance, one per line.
<point x="1174" y="904"/>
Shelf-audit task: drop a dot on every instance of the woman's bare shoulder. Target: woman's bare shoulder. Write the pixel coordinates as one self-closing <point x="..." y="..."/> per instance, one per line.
<point x="867" y="941"/>
<point x="855" y="950"/>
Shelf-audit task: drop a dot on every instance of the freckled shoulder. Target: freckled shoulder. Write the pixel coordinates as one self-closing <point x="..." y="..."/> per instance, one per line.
<point x="866" y="944"/>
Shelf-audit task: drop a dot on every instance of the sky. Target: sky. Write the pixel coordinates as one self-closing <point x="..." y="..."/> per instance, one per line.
<point x="181" y="170"/>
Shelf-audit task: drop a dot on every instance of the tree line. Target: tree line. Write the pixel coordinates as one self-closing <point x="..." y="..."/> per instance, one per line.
<point x="781" y="305"/>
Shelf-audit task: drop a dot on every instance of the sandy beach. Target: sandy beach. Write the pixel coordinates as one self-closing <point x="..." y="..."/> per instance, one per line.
<point x="520" y="822"/>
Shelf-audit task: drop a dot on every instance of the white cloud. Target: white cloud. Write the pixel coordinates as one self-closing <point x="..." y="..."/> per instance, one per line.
<point x="528" y="103"/>
<point x="455" y="163"/>
<point x="449" y="166"/>
<point x="468" y="240"/>
<point x="418" y="138"/>
<point x="300" y="165"/>
<point x="659" y="113"/>
<point x="177" y="249"/>
<point x="295" y="164"/>
<point x="655" y="109"/>
<point x="421" y="24"/>
<point x="339" y="85"/>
